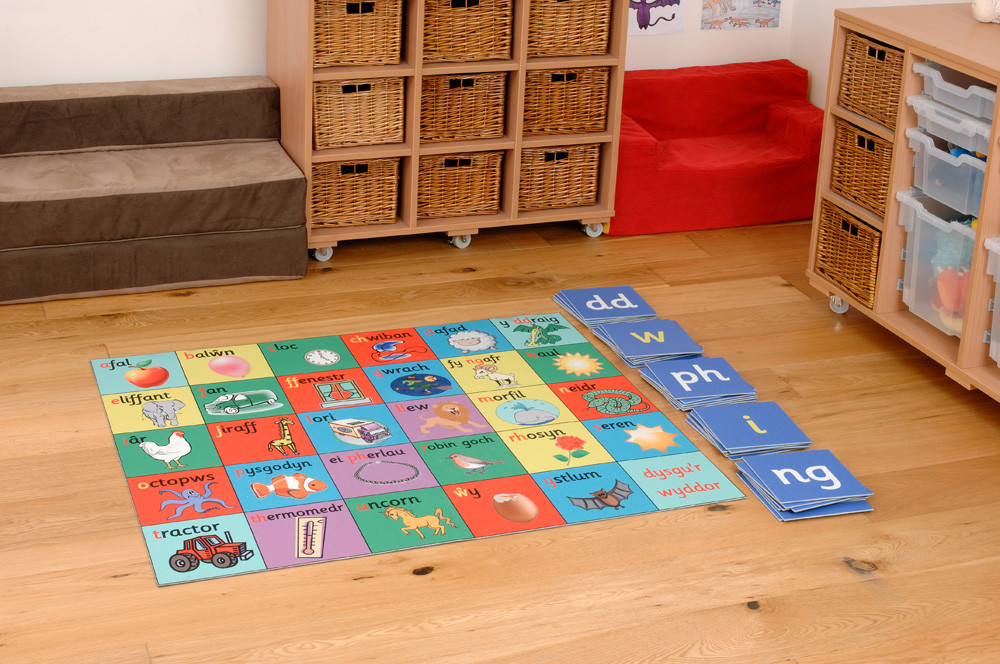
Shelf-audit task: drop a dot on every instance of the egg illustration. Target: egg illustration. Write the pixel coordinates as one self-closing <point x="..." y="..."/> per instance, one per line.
<point x="515" y="507"/>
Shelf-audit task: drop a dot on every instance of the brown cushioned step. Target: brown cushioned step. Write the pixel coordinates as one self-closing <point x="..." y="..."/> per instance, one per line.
<point x="91" y="115"/>
<point x="77" y="270"/>
<point x="151" y="192"/>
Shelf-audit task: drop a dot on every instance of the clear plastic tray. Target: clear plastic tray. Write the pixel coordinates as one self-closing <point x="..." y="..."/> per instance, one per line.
<point x="956" y="181"/>
<point x="938" y="260"/>
<point x="993" y="267"/>
<point x="951" y="125"/>
<point x="958" y="90"/>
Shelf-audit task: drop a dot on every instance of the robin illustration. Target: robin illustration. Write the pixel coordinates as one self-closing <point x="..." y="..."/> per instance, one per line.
<point x="471" y="463"/>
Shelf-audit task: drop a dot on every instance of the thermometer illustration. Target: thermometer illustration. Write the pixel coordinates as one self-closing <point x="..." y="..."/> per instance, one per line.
<point x="309" y="536"/>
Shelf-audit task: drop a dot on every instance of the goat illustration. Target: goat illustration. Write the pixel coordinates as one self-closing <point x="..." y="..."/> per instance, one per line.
<point x="490" y="371"/>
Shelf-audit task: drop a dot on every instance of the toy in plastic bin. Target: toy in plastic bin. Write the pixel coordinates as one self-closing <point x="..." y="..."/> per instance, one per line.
<point x="951" y="269"/>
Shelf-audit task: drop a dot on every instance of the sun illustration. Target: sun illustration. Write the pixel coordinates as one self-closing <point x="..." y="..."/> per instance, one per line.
<point x="577" y="364"/>
<point x="651" y="438"/>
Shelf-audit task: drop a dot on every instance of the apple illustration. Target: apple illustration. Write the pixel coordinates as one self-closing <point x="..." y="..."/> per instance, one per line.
<point x="229" y="365"/>
<point x="144" y="375"/>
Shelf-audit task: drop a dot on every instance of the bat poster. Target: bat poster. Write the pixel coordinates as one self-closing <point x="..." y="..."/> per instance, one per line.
<point x="655" y="17"/>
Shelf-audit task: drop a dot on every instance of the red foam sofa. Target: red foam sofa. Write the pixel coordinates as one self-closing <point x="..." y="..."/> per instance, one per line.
<point x="716" y="146"/>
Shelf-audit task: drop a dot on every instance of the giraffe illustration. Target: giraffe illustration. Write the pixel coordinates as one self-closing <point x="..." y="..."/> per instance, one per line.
<point x="280" y="444"/>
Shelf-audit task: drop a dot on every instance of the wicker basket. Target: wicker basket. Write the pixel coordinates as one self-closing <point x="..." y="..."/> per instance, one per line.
<point x="355" y="193"/>
<point x="467" y="30"/>
<point x="462" y="106"/>
<point x="565" y="101"/>
<point x="860" y="166"/>
<point x="357" y="33"/>
<point x="847" y="252"/>
<point x="357" y="112"/>
<point x="871" y="78"/>
<point x="455" y="185"/>
<point x="559" y="177"/>
<point x="568" y="27"/>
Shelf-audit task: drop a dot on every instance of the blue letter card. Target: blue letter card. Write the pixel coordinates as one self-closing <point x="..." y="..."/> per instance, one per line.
<point x="742" y="429"/>
<point x="593" y="306"/>
<point x="802" y="480"/>
<point x="689" y="382"/>
<point x="639" y="342"/>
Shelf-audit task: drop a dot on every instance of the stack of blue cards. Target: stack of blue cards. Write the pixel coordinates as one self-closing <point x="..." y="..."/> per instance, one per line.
<point x="803" y="485"/>
<point x="650" y="340"/>
<point x="605" y="304"/>
<point x="690" y="382"/>
<point x="745" y="429"/>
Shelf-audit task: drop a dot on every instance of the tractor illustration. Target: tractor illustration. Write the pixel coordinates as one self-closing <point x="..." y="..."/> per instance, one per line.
<point x="209" y="548"/>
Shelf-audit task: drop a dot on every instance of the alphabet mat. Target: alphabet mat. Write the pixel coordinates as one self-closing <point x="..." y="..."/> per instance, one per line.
<point x="252" y="457"/>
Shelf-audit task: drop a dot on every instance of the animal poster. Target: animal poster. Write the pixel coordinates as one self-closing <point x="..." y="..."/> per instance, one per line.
<point x="250" y="457"/>
<point x="740" y="14"/>
<point x="655" y="17"/>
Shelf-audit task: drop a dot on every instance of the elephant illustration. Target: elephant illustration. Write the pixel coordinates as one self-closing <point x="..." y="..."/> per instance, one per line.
<point x="162" y="412"/>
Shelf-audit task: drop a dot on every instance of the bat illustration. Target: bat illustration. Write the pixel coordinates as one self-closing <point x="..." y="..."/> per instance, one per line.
<point x="643" y="13"/>
<point x="602" y="498"/>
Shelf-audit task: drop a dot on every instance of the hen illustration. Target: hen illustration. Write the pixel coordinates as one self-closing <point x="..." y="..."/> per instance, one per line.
<point x="175" y="448"/>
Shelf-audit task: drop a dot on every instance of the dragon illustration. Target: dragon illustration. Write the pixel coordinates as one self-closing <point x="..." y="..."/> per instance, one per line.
<point x="642" y="11"/>
<point x="541" y="335"/>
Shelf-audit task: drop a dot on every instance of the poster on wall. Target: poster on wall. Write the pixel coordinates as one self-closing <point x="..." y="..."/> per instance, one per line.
<point x="739" y="14"/>
<point x="654" y="17"/>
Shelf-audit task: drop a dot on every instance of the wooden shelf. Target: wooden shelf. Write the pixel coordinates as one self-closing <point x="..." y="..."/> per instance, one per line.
<point x="947" y="35"/>
<point x="290" y="64"/>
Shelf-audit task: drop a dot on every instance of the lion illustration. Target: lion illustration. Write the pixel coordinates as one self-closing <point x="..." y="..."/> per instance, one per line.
<point x="450" y="415"/>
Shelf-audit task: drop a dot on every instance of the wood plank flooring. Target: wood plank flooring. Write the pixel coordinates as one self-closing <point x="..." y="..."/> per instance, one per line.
<point x="913" y="581"/>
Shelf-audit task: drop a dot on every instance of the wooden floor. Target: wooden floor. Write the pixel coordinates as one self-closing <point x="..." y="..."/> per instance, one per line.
<point x="916" y="580"/>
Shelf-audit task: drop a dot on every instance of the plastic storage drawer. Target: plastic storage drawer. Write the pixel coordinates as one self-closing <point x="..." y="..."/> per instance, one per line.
<point x="938" y="260"/>
<point x="993" y="268"/>
<point x="953" y="126"/>
<point x="956" y="181"/>
<point x="958" y="90"/>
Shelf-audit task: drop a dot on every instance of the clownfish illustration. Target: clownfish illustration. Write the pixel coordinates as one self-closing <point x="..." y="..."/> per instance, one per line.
<point x="288" y="486"/>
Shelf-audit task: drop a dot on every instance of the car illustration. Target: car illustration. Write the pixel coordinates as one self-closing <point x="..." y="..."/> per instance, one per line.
<point x="251" y="401"/>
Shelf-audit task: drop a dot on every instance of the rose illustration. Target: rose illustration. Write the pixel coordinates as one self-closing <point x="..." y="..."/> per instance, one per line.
<point x="572" y="445"/>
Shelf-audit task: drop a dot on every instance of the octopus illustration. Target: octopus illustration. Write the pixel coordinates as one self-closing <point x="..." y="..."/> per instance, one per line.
<point x="191" y="498"/>
<point x="642" y="11"/>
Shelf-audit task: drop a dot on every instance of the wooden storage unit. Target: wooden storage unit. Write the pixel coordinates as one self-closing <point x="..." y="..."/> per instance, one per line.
<point x="858" y="253"/>
<point x="423" y="83"/>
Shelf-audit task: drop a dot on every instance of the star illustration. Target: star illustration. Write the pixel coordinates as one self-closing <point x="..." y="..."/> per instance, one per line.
<point x="651" y="438"/>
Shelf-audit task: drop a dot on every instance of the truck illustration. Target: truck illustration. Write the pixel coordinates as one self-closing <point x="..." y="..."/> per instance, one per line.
<point x="209" y="548"/>
<point x="366" y="431"/>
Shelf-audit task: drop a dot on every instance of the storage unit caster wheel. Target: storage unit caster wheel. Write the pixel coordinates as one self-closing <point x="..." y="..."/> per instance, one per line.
<point x="838" y="306"/>
<point x="322" y="254"/>
<point x="460" y="241"/>
<point x="594" y="230"/>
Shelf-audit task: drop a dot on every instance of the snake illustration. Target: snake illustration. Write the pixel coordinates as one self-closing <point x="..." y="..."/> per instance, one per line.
<point x="612" y="402"/>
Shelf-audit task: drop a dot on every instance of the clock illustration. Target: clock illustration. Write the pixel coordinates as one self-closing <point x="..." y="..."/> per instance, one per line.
<point x="322" y="357"/>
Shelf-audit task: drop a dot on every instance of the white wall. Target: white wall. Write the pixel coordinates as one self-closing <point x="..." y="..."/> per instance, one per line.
<point x="694" y="46"/>
<point x="77" y="41"/>
<point x="812" y="35"/>
<point x="71" y="41"/>
<point x="804" y="36"/>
